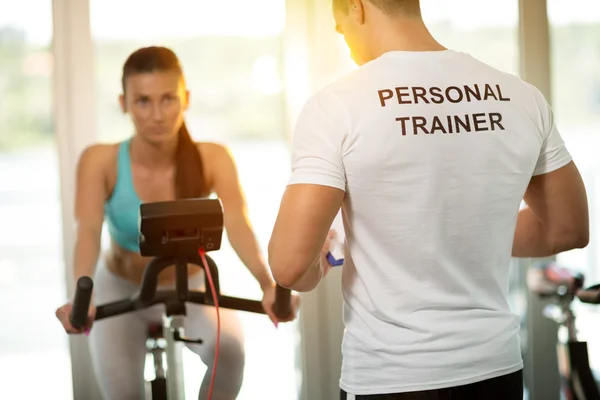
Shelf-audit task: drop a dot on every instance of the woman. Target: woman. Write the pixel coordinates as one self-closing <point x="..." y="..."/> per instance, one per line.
<point x="159" y="163"/>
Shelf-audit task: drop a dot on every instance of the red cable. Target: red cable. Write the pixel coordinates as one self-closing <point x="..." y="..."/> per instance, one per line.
<point x="202" y="252"/>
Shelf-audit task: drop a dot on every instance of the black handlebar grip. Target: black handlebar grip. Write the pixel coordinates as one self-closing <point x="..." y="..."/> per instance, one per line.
<point x="81" y="302"/>
<point x="590" y="295"/>
<point x="283" y="302"/>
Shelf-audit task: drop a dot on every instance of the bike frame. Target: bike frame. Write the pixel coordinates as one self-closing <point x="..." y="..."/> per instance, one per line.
<point x="577" y="379"/>
<point x="157" y="348"/>
<point x="168" y="382"/>
<point x="175" y="380"/>
<point x="173" y="322"/>
<point x="174" y="316"/>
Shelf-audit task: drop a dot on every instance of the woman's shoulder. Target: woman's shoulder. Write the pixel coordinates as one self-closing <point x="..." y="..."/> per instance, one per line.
<point x="100" y="154"/>
<point x="213" y="150"/>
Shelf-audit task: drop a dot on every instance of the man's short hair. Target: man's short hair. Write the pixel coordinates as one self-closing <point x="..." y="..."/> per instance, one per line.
<point x="390" y="7"/>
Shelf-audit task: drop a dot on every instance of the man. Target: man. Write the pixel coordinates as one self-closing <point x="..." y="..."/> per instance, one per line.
<point x="429" y="153"/>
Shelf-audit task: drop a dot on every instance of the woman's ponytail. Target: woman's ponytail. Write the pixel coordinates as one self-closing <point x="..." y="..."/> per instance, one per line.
<point x="189" y="174"/>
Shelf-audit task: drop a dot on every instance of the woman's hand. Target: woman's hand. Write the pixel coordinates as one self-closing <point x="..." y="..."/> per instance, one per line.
<point x="64" y="316"/>
<point x="268" y="303"/>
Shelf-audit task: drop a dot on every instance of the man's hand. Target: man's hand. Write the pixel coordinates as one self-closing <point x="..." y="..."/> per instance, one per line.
<point x="268" y="303"/>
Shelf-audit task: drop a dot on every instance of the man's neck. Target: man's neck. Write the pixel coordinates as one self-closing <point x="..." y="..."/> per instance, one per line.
<point x="404" y="34"/>
<point x="152" y="155"/>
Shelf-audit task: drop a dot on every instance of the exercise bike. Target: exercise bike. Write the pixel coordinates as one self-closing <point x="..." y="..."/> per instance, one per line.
<point x="176" y="233"/>
<point x="563" y="285"/>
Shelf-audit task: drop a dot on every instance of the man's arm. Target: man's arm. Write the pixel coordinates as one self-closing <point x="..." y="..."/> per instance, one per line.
<point x="303" y="223"/>
<point x="314" y="195"/>
<point x="556" y="217"/>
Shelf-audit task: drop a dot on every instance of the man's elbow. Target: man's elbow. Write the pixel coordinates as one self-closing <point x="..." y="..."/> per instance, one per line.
<point x="582" y="240"/>
<point x="571" y="240"/>
<point x="284" y="272"/>
<point x="286" y="280"/>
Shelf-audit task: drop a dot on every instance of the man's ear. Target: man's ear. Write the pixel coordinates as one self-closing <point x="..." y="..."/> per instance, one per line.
<point x="122" y="103"/>
<point x="357" y="11"/>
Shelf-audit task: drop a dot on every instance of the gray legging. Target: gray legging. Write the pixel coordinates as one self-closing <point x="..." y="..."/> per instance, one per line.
<point x="118" y="344"/>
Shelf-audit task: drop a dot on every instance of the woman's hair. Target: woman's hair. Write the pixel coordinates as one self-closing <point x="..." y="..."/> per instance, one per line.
<point x="189" y="182"/>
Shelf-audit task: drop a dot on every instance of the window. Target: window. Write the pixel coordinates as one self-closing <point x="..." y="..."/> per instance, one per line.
<point x="488" y="30"/>
<point x="232" y="62"/>
<point x="575" y="49"/>
<point x="233" y="67"/>
<point x="33" y="346"/>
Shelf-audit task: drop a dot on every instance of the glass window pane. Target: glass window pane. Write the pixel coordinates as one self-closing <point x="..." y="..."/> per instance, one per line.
<point x="575" y="35"/>
<point x="232" y="62"/>
<point x="233" y="67"/>
<point x="33" y="347"/>
<point x="488" y="30"/>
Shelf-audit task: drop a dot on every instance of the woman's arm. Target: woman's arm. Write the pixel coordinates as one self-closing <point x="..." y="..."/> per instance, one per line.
<point x="90" y="194"/>
<point x="226" y="184"/>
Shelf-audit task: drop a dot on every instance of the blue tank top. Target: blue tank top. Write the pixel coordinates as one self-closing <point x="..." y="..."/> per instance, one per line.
<point x="121" y="210"/>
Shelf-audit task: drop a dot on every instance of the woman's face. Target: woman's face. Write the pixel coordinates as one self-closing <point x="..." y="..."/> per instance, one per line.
<point x="156" y="102"/>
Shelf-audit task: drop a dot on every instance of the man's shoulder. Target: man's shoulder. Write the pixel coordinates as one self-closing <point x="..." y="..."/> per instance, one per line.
<point x="333" y="96"/>
<point x="344" y="82"/>
<point x="480" y="67"/>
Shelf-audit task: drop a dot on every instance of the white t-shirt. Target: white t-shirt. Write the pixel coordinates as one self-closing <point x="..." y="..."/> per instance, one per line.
<point x="434" y="151"/>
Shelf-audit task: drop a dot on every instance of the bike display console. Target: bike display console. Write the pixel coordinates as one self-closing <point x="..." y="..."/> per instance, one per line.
<point x="179" y="228"/>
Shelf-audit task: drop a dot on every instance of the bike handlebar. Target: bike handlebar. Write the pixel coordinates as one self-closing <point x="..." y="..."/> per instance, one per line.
<point x="164" y="296"/>
<point x="550" y="280"/>
<point x="81" y="302"/>
<point x="283" y="302"/>
<point x="590" y="295"/>
<point x="148" y="295"/>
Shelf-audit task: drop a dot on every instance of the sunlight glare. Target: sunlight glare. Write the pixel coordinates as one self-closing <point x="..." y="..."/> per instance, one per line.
<point x="151" y="19"/>
<point x="265" y="75"/>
